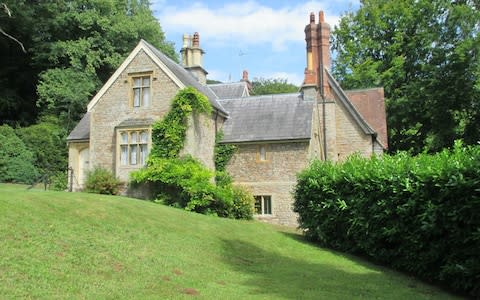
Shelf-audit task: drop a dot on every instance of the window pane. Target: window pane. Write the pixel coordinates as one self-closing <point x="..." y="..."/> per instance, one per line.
<point x="137" y="82"/>
<point x="124" y="155"/>
<point x="146" y="81"/>
<point x="146" y="96"/>
<point x="263" y="153"/>
<point x="144" y="137"/>
<point x="124" y="138"/>
<point x="267" y="205"/>
<point x="133" y="154"/>
<point x="133" y="138"/>
<point x="258" y="205"/>
<point x="136" y="97"/>
<point x="143" y="154"/>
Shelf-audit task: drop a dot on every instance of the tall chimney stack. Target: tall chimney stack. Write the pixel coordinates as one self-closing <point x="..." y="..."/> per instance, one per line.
<point x="192" y="57"/>
<point x="317" y="37"/>
<point x="324" y="54"/>
<point x="245" y="79"/>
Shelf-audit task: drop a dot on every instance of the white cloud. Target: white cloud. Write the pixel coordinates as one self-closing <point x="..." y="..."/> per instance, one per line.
<point x="245" y="23"/>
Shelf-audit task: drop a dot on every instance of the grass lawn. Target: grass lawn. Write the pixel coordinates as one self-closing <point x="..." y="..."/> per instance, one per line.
<point x="78" y="245"/>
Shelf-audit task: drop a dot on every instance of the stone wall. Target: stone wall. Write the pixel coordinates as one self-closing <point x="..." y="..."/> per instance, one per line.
<point x="76" y="179"/>
<point x="115" y="106"/>
<point x="350" y="138"/>
<point x="200" y="139"/>
<point x="275" y="177"/>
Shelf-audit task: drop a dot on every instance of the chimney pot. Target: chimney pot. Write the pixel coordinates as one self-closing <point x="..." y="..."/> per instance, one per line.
<point x="196" y="40"/>
<point x="312" y="18"/>
<point x="321" y="16"/>
<point x="245" y="75"/>
<point x="186" y="40"/>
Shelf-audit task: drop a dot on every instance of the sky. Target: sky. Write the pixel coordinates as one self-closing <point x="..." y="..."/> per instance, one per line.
<point x="264" y="37"/>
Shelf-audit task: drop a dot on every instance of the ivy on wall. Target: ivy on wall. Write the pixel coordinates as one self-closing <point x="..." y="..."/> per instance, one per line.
<point x="168" y="135"/>
<point x="183" y="181"/>
<point x="222" y="155"/>
<point x="223" y="152"/>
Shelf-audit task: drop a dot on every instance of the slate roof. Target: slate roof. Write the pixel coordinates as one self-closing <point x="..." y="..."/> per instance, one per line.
<point x="267" y="118"/>
<point x="186" y="77"/>
<point x="82" y="130"/>
<point x="230" y="90"/>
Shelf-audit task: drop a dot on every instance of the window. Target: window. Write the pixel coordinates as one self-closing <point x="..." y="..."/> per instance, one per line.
<point x="263" y="205"/>
<point x="141" y="91"/>
<point x="133" y="147"/>
<point x="262" y="153"/>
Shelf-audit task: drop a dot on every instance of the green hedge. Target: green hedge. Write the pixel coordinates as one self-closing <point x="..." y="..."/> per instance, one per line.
<point x="417" y="214"/>
<point x="16" y="161"/>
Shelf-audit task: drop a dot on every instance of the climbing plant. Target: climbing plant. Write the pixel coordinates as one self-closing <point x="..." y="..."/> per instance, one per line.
<point x="222" y="155"/>
<point x="223" y="152"/>
<point x="168" y="135"/>
<point x="183" y="181"/>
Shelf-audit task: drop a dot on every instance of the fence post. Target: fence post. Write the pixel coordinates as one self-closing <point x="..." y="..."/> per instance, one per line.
<point x="70" y="186"/>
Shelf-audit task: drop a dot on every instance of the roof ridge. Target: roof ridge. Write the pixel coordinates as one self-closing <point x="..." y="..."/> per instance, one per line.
<point x="269" y="96"/>
<point x="227" y="83"/>
<point x="185" y="77"/>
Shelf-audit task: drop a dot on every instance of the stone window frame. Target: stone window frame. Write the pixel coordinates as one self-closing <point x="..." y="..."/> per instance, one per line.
<point x="265" y="205"/>
<point x="141" y="87"/>
<point x="129" y="145"/>
<point x="263" y="158"/>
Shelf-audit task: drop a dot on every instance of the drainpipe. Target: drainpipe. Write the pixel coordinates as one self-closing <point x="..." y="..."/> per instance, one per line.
<point x="324" y="114"/>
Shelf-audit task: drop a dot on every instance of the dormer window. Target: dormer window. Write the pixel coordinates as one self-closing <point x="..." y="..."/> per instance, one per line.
<point x="141" y="94"/>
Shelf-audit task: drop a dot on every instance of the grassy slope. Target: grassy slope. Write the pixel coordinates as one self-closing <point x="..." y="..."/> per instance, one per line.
<point x="77" y="245"/>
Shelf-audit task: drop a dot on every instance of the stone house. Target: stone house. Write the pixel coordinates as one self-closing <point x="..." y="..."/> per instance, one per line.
<point x="276" y="135"/>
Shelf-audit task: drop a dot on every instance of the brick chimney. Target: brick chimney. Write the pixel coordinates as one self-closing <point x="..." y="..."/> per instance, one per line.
<point x="192" y="57"/>
<point x="317" y="37"/>
<point x="245" y="79"/>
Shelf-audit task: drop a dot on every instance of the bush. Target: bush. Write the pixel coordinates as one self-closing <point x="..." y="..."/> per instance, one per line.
<point x="59" y="181"/>
<point x="243" y="202"/>
<point x="183" y="181"/>
<point x="417" y="214"/>
<point x="16" y="161"/>
<point x="47" y="142"/>
<point x="186" y="183"/>
<point x="102" y="181"/>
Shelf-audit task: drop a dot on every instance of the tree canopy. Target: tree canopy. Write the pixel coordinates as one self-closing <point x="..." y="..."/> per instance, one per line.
<point x="73" y="46"/>
<point x="262" y="86"/>
<point x="426" y="54"/>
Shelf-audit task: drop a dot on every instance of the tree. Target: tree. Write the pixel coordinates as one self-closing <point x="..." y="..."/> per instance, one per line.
<point x="262" y="86"/>
<point x="76" y="42"/>
<point x="46" y="141"/>
<point x="426" y="54"/>
<point x="16" y="161"/>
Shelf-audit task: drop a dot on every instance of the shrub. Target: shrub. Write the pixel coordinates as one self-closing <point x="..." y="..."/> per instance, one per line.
<point x="417" y="214"/>
<point x="186" y="183"/>
<point x="47" y="141"/>
<point x="243" y="202"/>
<point x="183" y="181"/>
<point x="16" y="161"/>
<point x="59" y="181"/>
<point x="101" y="181"/>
